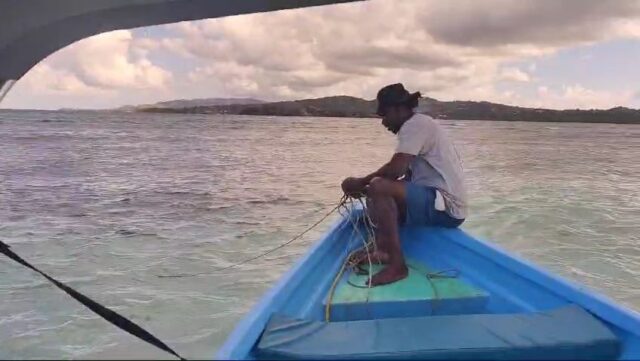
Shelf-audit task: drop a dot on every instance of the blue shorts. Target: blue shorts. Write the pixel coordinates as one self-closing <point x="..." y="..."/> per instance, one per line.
<point x="421" y="208"/>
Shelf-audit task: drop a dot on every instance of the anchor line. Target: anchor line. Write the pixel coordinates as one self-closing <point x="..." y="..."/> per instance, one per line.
<point x="342" y="202"/>
<point x="124" y="323"/>
<point x="108" y="314"/>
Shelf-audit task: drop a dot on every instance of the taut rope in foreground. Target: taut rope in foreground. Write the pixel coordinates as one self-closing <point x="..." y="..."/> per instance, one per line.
<point x="343" y="201"/>
<point x="121" y="321"/>
<point x="108" y="314"/>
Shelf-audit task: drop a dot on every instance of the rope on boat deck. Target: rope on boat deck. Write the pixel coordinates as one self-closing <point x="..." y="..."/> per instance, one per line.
<point x="430" y="276"/>
<point x="336" y="280"/>
<point x="352" y="265"/>
<point x="349" y="261"/>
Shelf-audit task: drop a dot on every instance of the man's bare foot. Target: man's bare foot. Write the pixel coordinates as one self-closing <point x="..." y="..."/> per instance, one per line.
<point x="390" y="274"/>
<point x="378" y="257"/>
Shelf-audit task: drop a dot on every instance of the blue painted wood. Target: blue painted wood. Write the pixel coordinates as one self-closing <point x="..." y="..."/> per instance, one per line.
<point x="403" y="309"/>
<point x="513" y="285"/>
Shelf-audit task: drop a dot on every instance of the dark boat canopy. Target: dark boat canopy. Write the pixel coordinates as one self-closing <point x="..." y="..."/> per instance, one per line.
<point x="30" y="30"/>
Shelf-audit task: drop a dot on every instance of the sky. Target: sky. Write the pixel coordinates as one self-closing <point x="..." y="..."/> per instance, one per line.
<point x="538" y="53"/>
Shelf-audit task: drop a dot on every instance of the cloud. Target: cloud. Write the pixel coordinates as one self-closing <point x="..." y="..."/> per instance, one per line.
<point x="628" y="28"/>
<point x="44" y="77"/>
<point x="575" y="96"/>
<point x="313" y="51"/>
<point x="109" y="61"/>
<point x="451" y="50"/>
<point x="514" y="75"/>
<point x="441" y="47"/>
<point x="496" y="23"/>
<point x="568" y="96"/>
<point x="102" y="71"/>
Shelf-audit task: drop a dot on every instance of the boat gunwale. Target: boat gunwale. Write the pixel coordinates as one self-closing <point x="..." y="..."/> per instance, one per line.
<point x="237" y="339"/>
<point x="592" y="300"/>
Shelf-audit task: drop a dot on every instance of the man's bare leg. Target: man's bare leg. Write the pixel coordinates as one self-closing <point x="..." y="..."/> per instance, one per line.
<point x="362" y="257"/>
<point x="375" y="255"/>
<point x="386" y="205"/>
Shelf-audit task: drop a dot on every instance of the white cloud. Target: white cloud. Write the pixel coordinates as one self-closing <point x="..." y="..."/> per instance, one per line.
<point x="110" y="61"/>
<point x="575" y="96"/>
<point x="514" y="75"/>
<point x="628" y="28"/>
<point x="450" y="50"/>
<point x="45" y="78"/>
<point x="114" y="60"/>
<point x="563" y="97"/>
<point x="102" y="71"/>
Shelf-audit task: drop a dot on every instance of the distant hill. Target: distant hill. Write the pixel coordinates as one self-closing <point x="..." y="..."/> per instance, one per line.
<point x="187" y="103"/>
<point x="470" y="110"/>
<point x="347" y="106"/>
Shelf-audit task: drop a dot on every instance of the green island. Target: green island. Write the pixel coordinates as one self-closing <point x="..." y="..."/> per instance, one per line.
<point x="352" y="107"/>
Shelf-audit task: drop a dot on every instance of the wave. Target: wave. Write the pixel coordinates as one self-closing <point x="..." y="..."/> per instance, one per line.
<point x="130" y="233"/>
<point x="277" y="200"/>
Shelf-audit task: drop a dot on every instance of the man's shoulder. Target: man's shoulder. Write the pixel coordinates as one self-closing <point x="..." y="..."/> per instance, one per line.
<point x="421" y="121"/>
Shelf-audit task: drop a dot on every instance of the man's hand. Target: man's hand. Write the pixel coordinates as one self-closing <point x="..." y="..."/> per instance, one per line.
<point x="354" y="187"/>
<point x="394" y="169"/>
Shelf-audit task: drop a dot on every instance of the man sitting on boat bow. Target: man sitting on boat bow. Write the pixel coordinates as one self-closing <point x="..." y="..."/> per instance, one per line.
<point x="431" y="191"/>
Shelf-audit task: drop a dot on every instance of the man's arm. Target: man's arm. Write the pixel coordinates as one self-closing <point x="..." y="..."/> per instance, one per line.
<point x="393" y="169"/>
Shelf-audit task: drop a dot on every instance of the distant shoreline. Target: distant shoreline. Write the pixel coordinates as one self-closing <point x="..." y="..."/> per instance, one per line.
<point x="577" y="121"/>
<point x="374" y="118"/>
<point x="352" y="107"/>
<point x="371" y="117"/>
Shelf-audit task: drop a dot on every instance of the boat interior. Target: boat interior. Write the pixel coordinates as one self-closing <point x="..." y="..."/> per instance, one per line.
<point x="463" y="299"/>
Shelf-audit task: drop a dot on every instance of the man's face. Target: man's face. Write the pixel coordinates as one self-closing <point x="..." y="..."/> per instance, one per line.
<point x="392" y="119"/>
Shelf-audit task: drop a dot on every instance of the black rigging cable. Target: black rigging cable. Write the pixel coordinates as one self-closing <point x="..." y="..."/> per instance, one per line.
<point x="104" y="312"/>
<point x="126" y="324"/>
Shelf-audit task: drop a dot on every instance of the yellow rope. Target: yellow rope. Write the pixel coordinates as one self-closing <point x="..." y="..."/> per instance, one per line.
<point x="348" y="260"/>
<point x="332" y="290"/>
<point x="350" y="263"/>
<point x="336" y="280"/>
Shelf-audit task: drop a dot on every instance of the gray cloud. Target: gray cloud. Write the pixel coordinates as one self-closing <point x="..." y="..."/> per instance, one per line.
<point x="359" y="59"/>
<point x="449" y="49"/>
<point x="433" y="44"/>
<point x="540" y="22"/>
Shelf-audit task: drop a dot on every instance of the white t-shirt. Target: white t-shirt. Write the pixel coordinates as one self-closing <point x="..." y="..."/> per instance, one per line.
<point x="436" y="162"/>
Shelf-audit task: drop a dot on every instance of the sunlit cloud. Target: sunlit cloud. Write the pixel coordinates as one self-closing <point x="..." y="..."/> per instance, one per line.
<point x="448" y="50"/>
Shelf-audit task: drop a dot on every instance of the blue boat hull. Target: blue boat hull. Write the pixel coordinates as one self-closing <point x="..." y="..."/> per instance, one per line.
<point x="512" y="285"/>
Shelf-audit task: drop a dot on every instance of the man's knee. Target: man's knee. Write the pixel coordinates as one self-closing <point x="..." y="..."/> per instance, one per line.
<point x="378" y="187"/>
<point x="369" y="202"/>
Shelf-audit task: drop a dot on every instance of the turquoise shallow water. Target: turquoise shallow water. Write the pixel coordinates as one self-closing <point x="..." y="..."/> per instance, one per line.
<point x="106" y="202"/>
